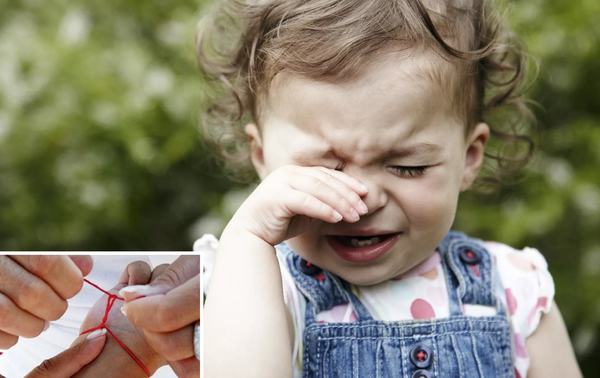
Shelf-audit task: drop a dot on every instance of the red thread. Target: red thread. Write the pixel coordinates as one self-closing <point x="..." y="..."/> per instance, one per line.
<point x="112" y="298"/>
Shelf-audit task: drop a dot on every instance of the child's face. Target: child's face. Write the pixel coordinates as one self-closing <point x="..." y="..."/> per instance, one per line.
<point x="393" y="115"/>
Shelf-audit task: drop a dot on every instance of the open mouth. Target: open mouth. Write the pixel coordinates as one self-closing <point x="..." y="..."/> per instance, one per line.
<point x="362" y="248"/>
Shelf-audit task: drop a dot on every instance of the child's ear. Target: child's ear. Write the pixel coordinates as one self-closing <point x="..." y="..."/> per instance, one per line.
<point x="475" y="144"/>
<point x="256" y="149"/>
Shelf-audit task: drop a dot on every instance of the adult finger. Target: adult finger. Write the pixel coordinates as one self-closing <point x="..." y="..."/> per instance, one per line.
<point x="29" y="292"/>
<point x="71" y="361"/>
<point x="136" y="273"/>
<point x="173" y="346"/>
<point x="188" y="368"/>
<point x="177" y="273"/>
<point x="7" y="340"/>
<point x="15" y="321"/>
<point x="166" y="312"/>
<point x="85" y="263"/>
<point x="60" y="272"/>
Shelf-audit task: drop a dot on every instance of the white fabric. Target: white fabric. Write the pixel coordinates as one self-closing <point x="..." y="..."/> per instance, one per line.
<point x="29" y="353"/>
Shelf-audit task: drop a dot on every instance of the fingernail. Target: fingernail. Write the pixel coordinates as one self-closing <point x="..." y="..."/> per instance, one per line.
<point x="96" y="334"/>
<point x="338" y="216"/>
<point x="134" y="292"/>
<point x="354" y="216"/>
<point x="46" y="325"/>
<point x="362" y="208"/>
<point x="364" y="187"/>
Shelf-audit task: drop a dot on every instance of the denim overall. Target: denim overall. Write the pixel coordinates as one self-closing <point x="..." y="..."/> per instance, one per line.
<point x="456" y="346"/>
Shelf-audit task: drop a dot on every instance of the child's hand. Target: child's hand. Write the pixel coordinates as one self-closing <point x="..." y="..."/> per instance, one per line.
<point x="291" y="199"/>
<point x="114" y="361"/>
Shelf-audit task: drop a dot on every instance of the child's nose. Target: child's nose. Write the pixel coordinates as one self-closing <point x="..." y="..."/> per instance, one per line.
<point x="376" y="197"/>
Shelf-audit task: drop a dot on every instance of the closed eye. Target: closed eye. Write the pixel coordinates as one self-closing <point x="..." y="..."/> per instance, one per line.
<point x="407" y="171"/>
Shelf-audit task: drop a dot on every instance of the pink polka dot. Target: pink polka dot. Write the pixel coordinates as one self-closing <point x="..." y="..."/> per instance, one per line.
<point x="421" y="309"/>
<point x="511" y="301"/>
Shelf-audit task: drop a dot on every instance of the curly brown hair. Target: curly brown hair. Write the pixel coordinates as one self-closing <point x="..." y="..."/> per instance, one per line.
<point x="241" y="46"/>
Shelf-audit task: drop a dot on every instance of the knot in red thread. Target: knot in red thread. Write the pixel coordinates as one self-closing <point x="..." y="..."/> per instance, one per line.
<point x="112" y="298"/>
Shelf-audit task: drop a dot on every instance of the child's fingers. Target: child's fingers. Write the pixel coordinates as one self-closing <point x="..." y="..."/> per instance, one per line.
<point x="326" y="194"/>
<point x="302" y="203"/>
<point x="164" y="278"/>
<point x="341" y="187"/>
<point x="355" y="184"/>
<point x="136" y="273"/>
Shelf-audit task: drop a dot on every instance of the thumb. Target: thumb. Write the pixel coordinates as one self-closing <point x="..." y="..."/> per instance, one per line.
<point x="72" y="360"/>
<point x="170" y="277"/>
<point x="84" y="263"/>
<point x="188" y="368"/>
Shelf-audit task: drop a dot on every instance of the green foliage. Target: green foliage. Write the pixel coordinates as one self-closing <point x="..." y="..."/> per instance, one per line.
<point x="99" y="102"/>
<point x="556" y="207"/>
<point x="100" y="149"/>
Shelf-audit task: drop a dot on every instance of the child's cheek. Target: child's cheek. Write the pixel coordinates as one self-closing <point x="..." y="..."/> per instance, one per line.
<point x="431" y="202"/>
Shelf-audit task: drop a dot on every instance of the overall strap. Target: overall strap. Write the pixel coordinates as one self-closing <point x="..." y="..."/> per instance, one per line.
<point x="321" y="289"/>
<point x="470" y="274"/>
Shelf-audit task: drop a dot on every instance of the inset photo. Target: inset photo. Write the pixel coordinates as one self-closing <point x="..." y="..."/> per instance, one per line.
<point x="106" y="314"/>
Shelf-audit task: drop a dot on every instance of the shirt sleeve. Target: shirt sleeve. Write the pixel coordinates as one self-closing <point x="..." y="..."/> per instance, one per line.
<point x="528" y="285"/>
<point x="207" y="247"/>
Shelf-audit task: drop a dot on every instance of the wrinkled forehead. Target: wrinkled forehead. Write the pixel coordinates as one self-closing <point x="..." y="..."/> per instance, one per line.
<point x="396" y="100"/>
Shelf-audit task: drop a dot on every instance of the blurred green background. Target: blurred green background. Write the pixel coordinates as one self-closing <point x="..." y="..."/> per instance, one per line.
<point x="100" y="148"/>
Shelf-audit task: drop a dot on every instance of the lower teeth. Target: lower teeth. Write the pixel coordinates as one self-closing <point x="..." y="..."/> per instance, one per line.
<point x="364" y="242"/>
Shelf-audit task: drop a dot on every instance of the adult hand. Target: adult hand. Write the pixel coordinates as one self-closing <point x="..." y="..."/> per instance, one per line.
<point x="72" y="360"/>
<point x="34" y="290"/>
<point x="167" y="310"/>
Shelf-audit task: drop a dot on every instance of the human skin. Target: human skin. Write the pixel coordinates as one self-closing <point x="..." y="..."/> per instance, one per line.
<point x="113" y="358"/>
<point x="391" y="129"/>
<point x="34" y="290"/>
<point x="72" y="360"/>
<point x="166" y="311"/>
<point x="394" y="130"/>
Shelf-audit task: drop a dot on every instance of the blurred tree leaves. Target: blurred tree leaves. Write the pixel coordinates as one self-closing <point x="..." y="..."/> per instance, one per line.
<point x="556" y="207"/>
<point x="99" y="102"/>
<point x="100" y="149"/>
